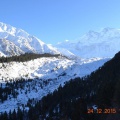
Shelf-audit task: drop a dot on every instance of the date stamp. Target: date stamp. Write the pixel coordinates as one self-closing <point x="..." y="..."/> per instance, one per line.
<point x="105" y="111"/>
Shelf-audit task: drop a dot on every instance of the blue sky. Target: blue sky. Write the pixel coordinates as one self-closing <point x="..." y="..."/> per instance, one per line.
<point x="53" y="21"/>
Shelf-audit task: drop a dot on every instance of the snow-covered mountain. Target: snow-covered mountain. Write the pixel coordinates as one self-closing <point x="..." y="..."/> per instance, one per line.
<point x="44" y="75"/>
<point x="104" y="43"/>
<point x="15" y="41"/>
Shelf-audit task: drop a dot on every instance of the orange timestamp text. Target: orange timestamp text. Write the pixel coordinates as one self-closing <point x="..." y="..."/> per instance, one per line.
<point x="100" y="111"/>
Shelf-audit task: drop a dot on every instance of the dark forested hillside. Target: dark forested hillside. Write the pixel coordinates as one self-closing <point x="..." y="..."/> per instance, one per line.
<point x="74" y="100"/>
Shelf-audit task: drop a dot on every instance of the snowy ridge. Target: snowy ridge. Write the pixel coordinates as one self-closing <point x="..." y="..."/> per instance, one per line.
<point x="24" y="41"/>
<point x="66" y="53"/>
<point x="104" y="43"/>
<point x="9" y="48"/>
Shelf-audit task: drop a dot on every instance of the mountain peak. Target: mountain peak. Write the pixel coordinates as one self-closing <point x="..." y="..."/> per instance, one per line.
<point x="107" y="29"/>
<point x="7" y="28"/>
<point x="104" y="43"/>
<point x="24" y="41"/>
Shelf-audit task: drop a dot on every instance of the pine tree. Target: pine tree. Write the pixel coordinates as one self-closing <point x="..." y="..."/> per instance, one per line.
<point x="14" y="115"/>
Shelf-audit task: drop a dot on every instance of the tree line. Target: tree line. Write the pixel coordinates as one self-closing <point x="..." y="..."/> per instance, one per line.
<point x="26" y="57"/>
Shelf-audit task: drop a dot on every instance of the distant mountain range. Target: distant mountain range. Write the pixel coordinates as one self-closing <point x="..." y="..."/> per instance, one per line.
<point x="104" y="43"/>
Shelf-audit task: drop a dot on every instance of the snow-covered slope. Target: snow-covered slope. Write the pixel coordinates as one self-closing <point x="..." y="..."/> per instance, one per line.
<point x="47" y="75"/>
<point x="2" y="54"/>
<point x="9" y="48"/>
<point x="66" y="53"/>
<point x="22" y="41"/>
<point x="104" y="43"/>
